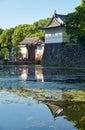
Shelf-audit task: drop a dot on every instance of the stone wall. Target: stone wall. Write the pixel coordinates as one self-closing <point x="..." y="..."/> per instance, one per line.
<point x="62" y="55"/>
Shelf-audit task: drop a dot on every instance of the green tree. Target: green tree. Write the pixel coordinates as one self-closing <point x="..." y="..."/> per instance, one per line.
<point x="42" y="22"/>
<point x="4" y="53"/>
<point x="6" y="38"/>
<point x="20" y="33"/>
<point x="1" y="30"/>
<point x="16" y="52"/>
<point x="26" y="30"/>
<point x="6" y="42"/>
<point x="75" y="24"/>
<point x="34" y="30"/>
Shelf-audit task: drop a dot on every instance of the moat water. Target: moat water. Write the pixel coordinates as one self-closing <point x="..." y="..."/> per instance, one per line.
<point x="41" y="98"/>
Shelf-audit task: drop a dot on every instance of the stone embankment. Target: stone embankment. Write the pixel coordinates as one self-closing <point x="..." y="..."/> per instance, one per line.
<point x="64" y="55"/>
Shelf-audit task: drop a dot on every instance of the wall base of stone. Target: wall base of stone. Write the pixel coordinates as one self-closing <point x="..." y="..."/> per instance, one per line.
<point x="63" y="55"/>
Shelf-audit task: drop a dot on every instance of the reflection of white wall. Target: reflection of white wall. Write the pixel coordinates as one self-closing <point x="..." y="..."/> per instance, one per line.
<point x="39" y="75"/>
<point x="24" y="74"/>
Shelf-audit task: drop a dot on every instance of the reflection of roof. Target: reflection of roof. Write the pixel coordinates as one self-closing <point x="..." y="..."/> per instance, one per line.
<point x="33" y="40"/>
<point x="56" y="21"/>
<point x="55" y="109"/>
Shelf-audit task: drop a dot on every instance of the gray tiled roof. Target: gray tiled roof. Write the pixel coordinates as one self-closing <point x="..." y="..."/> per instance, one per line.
<point x="56" y="21"/>
<point x="33" y="40"/>
<point x="62" y="17"/>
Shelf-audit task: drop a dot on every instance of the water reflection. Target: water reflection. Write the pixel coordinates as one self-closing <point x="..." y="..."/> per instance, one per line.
<point x="39" y="74"/>
<point x="55" y="109"/>
<point x="41" y="77"/>
<point x="24" y="73"/>
<point x="27" y="110"/>
<point x="36" y="97"/>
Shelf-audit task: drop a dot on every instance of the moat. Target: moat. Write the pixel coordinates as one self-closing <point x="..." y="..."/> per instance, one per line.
<point x="44" y="98"/>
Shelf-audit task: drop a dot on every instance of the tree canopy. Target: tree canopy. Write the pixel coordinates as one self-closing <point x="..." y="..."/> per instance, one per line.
<point x="34" y="29"/>
<point x="4" y="54"/>
<point x="20" y="33"/>
<point x="16" y="52"/>
<point x="12" y="36"/>
<point x="29" y="30"/>
<point x="1" y="30"/>
<point x="75" y="24"/>
<point x="6" y="37"/>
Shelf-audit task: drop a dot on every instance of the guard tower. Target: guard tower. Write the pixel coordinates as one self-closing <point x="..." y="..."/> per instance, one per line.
<point x="55" y="31"/>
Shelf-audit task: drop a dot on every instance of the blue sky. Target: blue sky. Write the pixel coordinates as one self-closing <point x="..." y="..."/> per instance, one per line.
<point x="15" y="12"/>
